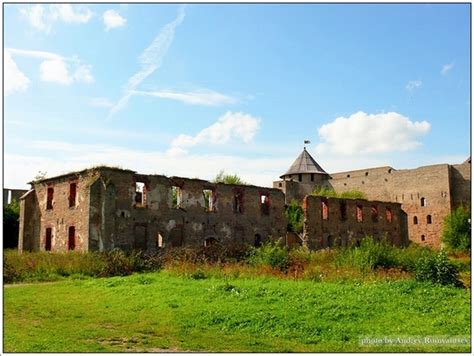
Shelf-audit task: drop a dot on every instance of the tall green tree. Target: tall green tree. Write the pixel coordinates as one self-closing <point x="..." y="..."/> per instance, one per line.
<point x="228" y="178"/>
<point x="457" y="229"/>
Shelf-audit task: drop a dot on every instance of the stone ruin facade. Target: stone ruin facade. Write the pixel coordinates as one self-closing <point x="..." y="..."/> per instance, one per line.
<point x="103" y="208"/>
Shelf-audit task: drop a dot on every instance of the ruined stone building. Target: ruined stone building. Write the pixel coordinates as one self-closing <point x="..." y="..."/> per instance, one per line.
<point x="104" y="208"/>
<point x="426" y="194"/>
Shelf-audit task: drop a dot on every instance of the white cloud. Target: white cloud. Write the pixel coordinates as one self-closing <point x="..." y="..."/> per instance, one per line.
<point x="83" y="74"/>
<point x="204" y="97"/>
<point x="446" y="68"/>
<point x="363" y="133"/>
<point x="150" y="60"/>
<point x="42" y="17"/>
<point x="229" y="126"/>
<point x="69" y="14"/>
<point x="414" y="84"/>
<point x="14" y="80"/>
<point x="56" y="68"/>
<point x="112" y="19"/>
<point x="35" y="16"/>
<point x="100" y="103"/>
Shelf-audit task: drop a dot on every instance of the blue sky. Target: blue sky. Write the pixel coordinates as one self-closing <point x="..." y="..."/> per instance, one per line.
<point x="190" y="90"/>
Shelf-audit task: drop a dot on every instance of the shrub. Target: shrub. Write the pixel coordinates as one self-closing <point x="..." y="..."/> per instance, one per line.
<point x="369" y="255"/>
<point x="437" y="269"/>
<point x="457" y="229"/>
<point x="44" y="266"/>
<point x="295" y="217"/>
<point x="331" y="193"/>
<point x="270" y="254"/>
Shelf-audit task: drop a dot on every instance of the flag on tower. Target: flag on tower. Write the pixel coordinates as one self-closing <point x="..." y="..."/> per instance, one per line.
<point x="307" y="142"/>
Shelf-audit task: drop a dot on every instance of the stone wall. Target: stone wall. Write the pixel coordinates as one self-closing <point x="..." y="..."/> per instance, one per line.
<point x="109" y="213"/>
<point x="408" y="187"/>
<point x="29" y="227"/>
<point x="117" y="220"/>
<point x="460" y="182"/>
<point x="330" y="222"/>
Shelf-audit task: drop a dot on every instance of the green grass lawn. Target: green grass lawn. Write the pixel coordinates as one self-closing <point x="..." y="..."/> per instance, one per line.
<point x="161" y="311"/>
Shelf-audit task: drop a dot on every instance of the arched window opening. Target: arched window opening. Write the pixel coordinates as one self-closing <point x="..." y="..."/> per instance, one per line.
<point x="423" y="201"/>
<point x="428" y="219"/>
<point x="415" y="220"/>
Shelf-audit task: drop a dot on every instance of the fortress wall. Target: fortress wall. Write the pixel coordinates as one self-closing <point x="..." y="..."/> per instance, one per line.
<point x="460" y="183"/>
<point x="407" y="187"/>
<point x="333" y="222"/>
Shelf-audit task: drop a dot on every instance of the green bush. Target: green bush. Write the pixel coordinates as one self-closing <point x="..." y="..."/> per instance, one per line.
<point x="295" y="217"/>
<point x="437" y="269"/>
<point x="368" y="256"/>
<point x="331" y="193"/>
<point x="270" y="254"/>
<point x="45" y="266"/>
<point x="457" y="230"/>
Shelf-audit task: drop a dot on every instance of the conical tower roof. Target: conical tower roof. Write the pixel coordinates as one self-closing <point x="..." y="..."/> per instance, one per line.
<point x="304" y="164"/>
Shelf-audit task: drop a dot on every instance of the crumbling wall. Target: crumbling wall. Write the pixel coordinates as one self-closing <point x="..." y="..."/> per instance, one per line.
<point x="331" y="222"/>
<point x="29" y="223"/>
<point x="150" y="220"/>
<point x="67" y="220"/>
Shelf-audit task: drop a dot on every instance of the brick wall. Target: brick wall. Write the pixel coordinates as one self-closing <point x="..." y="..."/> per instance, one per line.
<point x="326" y="225"/>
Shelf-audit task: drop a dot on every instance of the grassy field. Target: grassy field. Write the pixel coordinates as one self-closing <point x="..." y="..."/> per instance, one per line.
<point x="162" y="311"/>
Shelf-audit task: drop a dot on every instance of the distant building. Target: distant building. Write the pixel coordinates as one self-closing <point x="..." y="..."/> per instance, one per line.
<point x="426" y="194"/>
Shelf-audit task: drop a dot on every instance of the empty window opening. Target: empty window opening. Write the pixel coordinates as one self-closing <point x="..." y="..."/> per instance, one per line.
<point x="403" y="197"/>
<point x="265" y="204"/>
<point x="210" y="241"/>
<point x="411" y="195"/>
<point x="348" y="176"/>
<point x="388" y="215"/>
<point x="140" y="195"/>
<point x="72" y="194"/>
<point x="359" y="213"/>
<point x="428" y="219"/>
<point x="257" y="241"/>
<point x="422" y="237"/>
<point x="49" y="199"/>
<point x="209" y="199"/>
<point x="366" y="174"/>
<point x="280" y="185"/>
<point x="423" y="202"/>
<point x="71" y="241"/>
<point x="177" y="196"/>
<point x="345" y="184"/>
<point x="390" y="170"/>
<point x="238" y="202"/>
<point x="48" y="239"/>
<point x="415" y="220"/>
<point x="343" y="209"/>
<point x="300" y="177"/>
<point x="374" y="213"/>
<point x="325" y="209"/>
<point x="159" y="240"/>
<point x="312" y="177"/>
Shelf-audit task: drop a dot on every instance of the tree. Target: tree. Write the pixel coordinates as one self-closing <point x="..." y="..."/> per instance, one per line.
<point x="457" y="229"/>
<point x="11" y="223"/>
<point x="228" y="178"/>
<point x="295" y="217"/>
